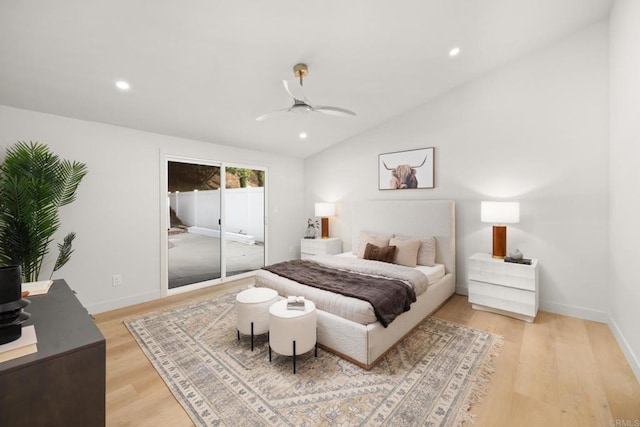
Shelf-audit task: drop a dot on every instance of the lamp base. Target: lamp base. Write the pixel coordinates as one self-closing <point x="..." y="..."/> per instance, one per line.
<point x="325" y="228"/>
<point x="499" y="241"/>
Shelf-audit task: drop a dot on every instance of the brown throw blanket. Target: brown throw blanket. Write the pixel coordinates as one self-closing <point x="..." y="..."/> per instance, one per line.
<point x="388" y="297"/>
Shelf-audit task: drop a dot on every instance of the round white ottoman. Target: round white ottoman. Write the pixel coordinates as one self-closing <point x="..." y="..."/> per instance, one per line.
<point x="252" y="311"/>
<point x="292" y="332"/>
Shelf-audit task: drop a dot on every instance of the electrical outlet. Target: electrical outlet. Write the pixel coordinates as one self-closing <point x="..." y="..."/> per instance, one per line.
<point x="116" y="280"/>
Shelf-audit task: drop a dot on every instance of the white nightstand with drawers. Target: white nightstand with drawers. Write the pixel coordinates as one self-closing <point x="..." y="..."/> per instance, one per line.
<point x="502" y="287"/>
<point x="329" y="246"/>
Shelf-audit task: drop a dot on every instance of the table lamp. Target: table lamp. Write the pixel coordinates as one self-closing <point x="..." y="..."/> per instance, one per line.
<point x="324" y="211"/>
<point x="500" y="213"/>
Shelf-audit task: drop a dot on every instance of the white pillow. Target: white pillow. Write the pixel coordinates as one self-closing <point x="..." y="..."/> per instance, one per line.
<point x="427" y="251"/>
<point x="362" y="241"/>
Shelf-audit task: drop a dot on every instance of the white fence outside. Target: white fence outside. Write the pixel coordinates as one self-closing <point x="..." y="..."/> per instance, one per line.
<point x="201" y="209"/>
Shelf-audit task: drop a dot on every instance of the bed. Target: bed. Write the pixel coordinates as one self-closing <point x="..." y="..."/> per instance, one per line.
<point x="360" y="338"/>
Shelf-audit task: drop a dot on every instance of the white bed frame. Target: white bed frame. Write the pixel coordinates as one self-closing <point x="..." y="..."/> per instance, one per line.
<point x="365" y="345"/>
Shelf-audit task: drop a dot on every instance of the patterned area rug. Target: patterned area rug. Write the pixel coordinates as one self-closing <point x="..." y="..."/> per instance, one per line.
<point x="430" y="378"/>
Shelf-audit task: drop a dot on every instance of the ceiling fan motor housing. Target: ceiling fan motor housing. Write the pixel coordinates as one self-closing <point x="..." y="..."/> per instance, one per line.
<point x="301" y="108"/>
<point x="300" y="71"/>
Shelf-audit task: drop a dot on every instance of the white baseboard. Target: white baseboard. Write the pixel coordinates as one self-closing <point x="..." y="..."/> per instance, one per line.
<point x="150" y="296"/>
<point x="573" y="311"/>
<point x="564" y="309"/>
<point x="122" y="302"/>
<point x="633" y="360"/>
<point x="462" y="290"/>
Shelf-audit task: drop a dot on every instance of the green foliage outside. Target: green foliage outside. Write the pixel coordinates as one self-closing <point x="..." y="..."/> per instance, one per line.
<point x="245" y="174"/>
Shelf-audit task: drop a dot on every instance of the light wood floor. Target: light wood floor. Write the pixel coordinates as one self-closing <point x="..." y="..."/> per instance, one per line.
<point x="558" y="371"/>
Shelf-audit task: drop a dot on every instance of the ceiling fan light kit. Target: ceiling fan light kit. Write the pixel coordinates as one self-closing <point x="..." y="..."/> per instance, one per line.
<point x="300" y="102"/>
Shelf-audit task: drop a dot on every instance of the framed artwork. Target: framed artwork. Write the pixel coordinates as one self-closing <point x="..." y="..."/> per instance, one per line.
<point x="406" y="169"/>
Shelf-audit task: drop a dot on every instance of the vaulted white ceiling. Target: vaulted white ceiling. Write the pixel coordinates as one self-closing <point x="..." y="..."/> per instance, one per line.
<point x="205" y="69"/>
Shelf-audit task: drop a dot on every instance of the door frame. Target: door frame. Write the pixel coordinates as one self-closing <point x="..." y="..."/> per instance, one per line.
<point x="165" y="158"/>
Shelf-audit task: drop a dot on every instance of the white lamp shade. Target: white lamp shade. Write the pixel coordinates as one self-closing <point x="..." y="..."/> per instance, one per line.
<point x="500" y="212"/>
<point x="325" y="210"/>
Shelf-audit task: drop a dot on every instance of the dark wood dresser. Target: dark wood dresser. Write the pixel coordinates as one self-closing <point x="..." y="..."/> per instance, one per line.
<point x="63" y="384"/>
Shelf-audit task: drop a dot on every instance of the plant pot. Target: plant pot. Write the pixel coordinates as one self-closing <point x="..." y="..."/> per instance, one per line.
<point x="10" y="283"/>
<point x="11" y="304"/>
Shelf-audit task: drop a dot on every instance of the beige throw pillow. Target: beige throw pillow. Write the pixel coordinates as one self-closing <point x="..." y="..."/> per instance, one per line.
<point x="427" y="251"/>
<point x="364" y="235"/>
<point x="406" y="251"/>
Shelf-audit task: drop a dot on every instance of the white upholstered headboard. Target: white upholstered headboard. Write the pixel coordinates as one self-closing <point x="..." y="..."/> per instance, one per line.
<point x="410" y="217"/>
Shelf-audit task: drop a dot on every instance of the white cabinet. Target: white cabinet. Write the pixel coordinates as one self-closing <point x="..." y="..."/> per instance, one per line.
<point x="329" y="246"/>
<point x="503" y="287"/>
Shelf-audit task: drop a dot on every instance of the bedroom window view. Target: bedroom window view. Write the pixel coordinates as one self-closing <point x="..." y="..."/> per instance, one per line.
<point x="197" y="251"/>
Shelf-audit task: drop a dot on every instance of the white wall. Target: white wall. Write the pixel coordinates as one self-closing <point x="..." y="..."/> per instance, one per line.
<point x="534" y="131"/>
<point x="624" y="184"/>
<point x="117" y="213"/>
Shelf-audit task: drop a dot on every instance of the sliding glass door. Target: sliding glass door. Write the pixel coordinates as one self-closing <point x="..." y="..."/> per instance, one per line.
<point x="215" y="222"/>
<point x="244" y="231"/>
<point x="194" y="244"/>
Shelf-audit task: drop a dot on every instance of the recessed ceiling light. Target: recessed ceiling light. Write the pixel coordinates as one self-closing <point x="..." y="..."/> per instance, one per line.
<point x="454" y="52"/>
<point x="122" y="85"/>
<point x="302" y="135"/>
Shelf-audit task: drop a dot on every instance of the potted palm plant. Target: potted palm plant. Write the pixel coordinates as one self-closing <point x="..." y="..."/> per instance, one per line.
<point x="34" y="184"/>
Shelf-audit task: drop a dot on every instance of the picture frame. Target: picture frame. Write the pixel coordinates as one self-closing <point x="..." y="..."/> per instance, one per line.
<point x="410" y="169"/>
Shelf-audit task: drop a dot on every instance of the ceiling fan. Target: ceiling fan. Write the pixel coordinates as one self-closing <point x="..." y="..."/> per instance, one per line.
<point x="300" y="102"/>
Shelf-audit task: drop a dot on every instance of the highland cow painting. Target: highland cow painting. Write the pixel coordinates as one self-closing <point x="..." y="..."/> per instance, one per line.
<point x="406" y="169"/>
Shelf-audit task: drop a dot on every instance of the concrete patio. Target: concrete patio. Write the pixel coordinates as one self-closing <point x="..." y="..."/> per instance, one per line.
<point x="195" y="258"/>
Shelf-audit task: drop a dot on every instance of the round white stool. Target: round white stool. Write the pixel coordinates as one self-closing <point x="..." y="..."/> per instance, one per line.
<point x="292" y="332"/>
<point x="252" y="311"/>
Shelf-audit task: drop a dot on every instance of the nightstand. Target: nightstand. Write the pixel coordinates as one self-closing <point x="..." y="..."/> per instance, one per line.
<point x="329" y="246"/>
<point x="503" y="287"/>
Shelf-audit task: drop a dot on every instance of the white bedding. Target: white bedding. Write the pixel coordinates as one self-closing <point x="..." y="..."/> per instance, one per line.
<point x="434" y="273"/>
<point x="349" y="308"/>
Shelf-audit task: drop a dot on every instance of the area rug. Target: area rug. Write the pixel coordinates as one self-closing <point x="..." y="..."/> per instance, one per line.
<point x="430" y="378"/>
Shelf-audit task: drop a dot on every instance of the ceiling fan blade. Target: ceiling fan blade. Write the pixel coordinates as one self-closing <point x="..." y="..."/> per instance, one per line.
<point x="271" y="114"/>
<point x="294" y="89"/>
<point x="334" y="111"/>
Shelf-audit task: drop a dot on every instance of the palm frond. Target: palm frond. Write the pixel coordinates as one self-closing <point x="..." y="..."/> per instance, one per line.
<point x="64" y="252"/>
<point x="69" y="177"/>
